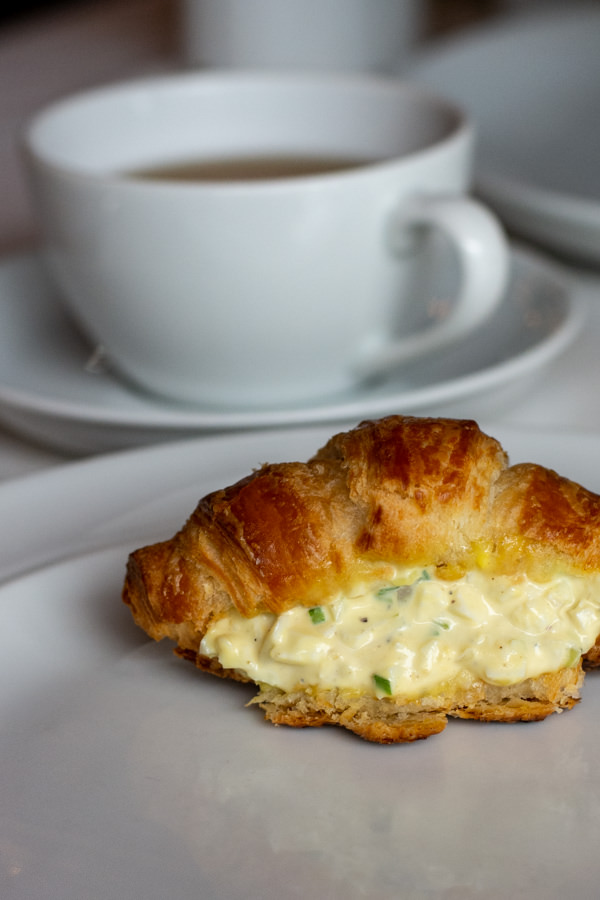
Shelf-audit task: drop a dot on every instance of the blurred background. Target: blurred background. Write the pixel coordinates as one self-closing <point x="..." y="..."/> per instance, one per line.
<point x="543" y="80"/>
<point x="440" y="16"/>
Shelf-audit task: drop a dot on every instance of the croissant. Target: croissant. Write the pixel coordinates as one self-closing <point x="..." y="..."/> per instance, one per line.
<point x="404" y="574"/>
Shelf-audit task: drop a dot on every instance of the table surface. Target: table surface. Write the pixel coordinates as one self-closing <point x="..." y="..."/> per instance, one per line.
<point x="48" y="55"/>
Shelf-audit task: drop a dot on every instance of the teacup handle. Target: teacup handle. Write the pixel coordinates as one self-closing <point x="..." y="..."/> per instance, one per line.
<point x="484" y="263"/>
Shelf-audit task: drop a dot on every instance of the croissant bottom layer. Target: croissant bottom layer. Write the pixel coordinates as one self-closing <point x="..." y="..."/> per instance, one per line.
<point x="393" y="720"/>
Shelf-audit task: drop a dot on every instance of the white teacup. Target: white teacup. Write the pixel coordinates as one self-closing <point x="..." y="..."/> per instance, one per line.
<point x="269" y="290"/>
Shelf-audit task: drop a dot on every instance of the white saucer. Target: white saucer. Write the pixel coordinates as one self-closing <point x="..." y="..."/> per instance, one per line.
<point x="532" y="84"/>
<point x="47" y="394"/>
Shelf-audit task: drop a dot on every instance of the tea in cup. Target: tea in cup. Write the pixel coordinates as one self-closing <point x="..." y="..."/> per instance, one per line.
<point x="253" y="239"/>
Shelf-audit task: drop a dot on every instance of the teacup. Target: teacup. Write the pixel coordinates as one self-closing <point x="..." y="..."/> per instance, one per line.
<point x="289" y="272"/>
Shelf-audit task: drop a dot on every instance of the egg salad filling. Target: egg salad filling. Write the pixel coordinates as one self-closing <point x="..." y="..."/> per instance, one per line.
<point x="413" y="634"/>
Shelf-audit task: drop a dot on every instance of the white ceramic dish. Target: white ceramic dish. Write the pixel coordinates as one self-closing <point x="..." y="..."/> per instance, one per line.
<point x="532" y="85"/>
<point x="125" y="773"/>
<point x="47" y="394"/>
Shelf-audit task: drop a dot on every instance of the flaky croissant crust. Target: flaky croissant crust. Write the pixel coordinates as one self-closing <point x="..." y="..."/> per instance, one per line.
<point x="400" y="490"/>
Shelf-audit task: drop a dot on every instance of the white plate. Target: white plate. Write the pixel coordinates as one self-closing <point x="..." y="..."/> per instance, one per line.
<point x="532" y="84"/>
<point x="46" y="392"/>
<point x="126" y="773"/>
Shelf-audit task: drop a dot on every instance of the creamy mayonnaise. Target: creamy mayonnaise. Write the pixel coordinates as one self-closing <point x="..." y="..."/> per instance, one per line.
<point x="416" y="634"/>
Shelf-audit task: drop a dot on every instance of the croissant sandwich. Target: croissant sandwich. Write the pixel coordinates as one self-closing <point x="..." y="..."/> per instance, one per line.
<point x="404" y="574"/>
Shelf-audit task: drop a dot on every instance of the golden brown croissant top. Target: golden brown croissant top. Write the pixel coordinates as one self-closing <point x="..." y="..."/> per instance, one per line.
<point x="402" y="490"/>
